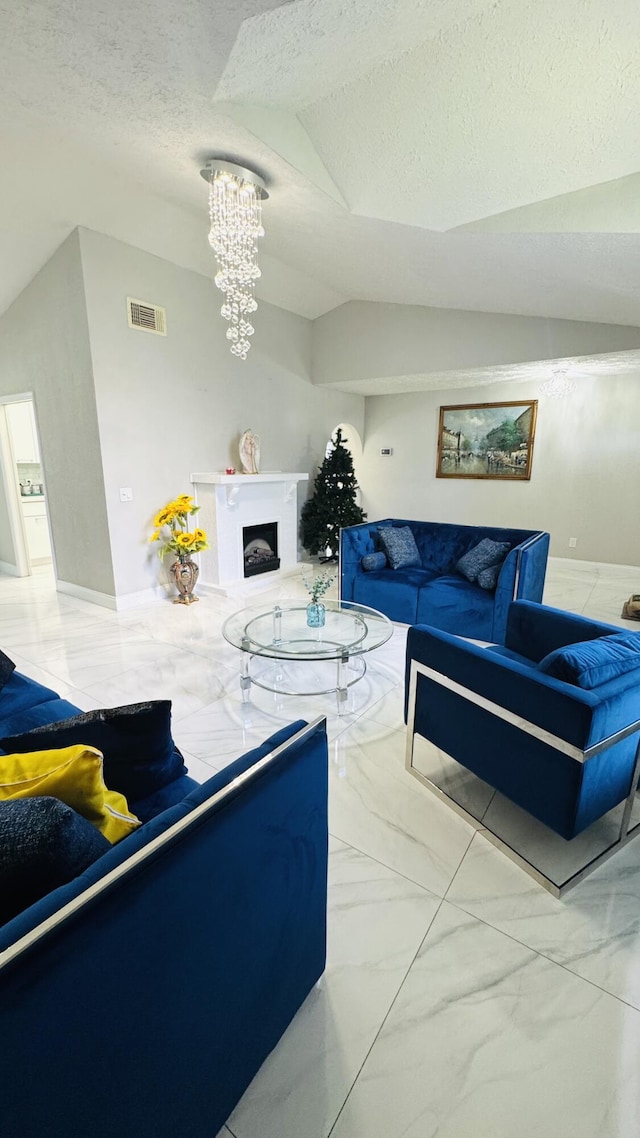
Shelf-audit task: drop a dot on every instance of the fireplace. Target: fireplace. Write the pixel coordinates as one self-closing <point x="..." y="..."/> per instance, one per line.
<point x="233" y="503"/>
<point x="260" y="548"/>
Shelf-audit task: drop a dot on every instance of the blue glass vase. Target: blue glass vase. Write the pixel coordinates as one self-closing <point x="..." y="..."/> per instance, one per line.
<point x="316" y="614"/>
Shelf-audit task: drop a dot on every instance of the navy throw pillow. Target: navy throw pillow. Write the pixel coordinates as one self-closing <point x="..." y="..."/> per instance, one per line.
<point x="7" y="667"/>
<point x="400" y="546"/>
<point x="488" y="578"/>
<point x="592" y="662"/>
<point x="372" y="561"/>
<point x="482" y="556"/>
<point x="43" y="844"/>
<point x="140" y="755"/>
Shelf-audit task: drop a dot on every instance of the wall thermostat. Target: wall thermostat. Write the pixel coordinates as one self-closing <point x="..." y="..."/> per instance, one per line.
<point x="386" y="452"/>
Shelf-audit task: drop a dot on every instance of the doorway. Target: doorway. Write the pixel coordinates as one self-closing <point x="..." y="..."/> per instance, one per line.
<point x="25" y="541"/>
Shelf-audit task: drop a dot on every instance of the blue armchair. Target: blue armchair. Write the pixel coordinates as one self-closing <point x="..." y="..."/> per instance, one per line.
<point x="550" y="719"/>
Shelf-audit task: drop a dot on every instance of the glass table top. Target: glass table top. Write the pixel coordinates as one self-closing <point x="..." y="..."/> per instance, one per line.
<point x="281" y="631"/>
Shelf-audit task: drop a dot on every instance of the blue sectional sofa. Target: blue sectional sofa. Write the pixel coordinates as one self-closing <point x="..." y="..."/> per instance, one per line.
<point x="433" y="592"/>
<point x="141" y="997"/>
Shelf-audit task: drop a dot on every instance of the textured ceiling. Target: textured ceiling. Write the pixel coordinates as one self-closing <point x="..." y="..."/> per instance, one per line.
<point x="579" y="370"/>
<point x="438" y="114"/>
<point x="476" y="154"/>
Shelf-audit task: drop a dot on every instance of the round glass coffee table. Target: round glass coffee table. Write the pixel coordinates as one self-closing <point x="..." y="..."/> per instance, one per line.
<point x="281" y="634"/>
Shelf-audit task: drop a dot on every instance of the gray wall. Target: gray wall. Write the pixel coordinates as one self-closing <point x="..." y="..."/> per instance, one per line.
<point x="44" y="349"/>
<point x="168" y="406"/>
<point x="585" y="477"/>
<point x="361" y="341"/>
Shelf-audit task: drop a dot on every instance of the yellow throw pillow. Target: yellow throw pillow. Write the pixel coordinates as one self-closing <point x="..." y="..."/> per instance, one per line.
<point x="74" y="775"/>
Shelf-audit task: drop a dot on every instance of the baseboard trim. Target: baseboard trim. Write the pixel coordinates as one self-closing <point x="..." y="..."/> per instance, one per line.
<point x="118" y="604"/>
<point x="143" y="597"/>
<point x="84" y="594"/>
<point x="577" y="563"/>
<point x="11" y="570"/>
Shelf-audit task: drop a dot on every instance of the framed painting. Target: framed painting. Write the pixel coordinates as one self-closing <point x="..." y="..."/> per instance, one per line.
<point x="487" y="440"/>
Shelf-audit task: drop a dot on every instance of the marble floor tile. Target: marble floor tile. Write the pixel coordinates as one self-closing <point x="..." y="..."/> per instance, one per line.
<point x="377" y="807"/>
<point x="42" y="676"/>
<point x="220" y="732"/>
<point x="568" y="594"/>
<point x="488" y="1039"/>
<point x="594" y="930"/>
<point x="84" y="664"/>
<point x="389" y="710"/>
<point x="189" y="681"/>
<point x="377" y="921"/>
<point x="198" y="769"/>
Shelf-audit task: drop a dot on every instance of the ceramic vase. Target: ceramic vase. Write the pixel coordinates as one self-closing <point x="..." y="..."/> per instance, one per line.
<point x="185" y="574"/>
<point x="316" y="613"/>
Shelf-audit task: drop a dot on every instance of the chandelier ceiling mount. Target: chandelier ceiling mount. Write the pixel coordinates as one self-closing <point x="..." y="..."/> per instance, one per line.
<point x="559" y="385"/>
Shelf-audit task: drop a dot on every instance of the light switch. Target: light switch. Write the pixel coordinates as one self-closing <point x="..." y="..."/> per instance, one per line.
<point x="126" y="494"/>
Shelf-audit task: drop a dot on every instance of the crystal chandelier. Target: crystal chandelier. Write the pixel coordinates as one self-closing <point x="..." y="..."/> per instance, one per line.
<point x="235" y="212"/>
<point x="559" y="385"/>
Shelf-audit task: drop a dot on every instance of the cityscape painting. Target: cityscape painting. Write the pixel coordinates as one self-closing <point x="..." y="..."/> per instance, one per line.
<point x="487" y="440"/>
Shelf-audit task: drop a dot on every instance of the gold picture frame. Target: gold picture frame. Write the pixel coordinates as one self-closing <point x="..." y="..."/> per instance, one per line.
<point x="487" y="440"/>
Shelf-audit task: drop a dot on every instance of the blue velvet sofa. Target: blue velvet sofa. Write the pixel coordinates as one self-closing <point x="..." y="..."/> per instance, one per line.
<point x="434" y="593"/>
<point x="140" y="998"/>
<point x="551" y="719"/>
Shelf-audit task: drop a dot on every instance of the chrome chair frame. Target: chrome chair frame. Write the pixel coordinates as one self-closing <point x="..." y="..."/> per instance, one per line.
<point x="626" y="831"/>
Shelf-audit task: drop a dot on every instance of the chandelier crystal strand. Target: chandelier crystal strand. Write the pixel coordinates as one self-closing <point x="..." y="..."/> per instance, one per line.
<point x="235" y="213"/>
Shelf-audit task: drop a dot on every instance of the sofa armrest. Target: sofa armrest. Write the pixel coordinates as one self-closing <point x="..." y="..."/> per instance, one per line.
<point x="533" y="630"/>
<point x="355" y="542"/>
<point x="522" y="575"/>
<point x="532" y="567"/>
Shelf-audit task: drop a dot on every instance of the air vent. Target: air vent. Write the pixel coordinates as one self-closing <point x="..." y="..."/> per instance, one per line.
<point x="148" y="317"/>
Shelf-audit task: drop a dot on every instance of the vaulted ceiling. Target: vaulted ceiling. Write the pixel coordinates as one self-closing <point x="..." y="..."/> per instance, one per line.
<point x="475" y="154"/>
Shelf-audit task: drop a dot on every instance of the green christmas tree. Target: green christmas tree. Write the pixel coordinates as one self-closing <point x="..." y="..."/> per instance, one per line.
<point x="333" y="502"/>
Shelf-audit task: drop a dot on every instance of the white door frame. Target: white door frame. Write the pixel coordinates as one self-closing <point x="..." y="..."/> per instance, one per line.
<point x="9" y="470"/>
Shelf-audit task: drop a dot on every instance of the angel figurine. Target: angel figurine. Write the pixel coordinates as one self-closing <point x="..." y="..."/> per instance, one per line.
<point x="250" y="452"/>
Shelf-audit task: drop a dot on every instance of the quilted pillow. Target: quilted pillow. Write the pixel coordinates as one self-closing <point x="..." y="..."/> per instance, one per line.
<point x="43" y="844"/>
<point x="482" y="556"/>
<point x="400" y="546"/>
<point x="593" y="662"/>
<point x="372" y="561"/>
<point x="488" y="578"/>
<point x="139" y="753"/>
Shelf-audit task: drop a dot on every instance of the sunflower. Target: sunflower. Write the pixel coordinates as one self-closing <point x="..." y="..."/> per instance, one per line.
<point x="165" y="516"/>
<point x="185" y="540"/>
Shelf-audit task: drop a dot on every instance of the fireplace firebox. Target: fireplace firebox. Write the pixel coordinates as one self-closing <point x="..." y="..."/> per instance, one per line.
<point x="260" y="545"/>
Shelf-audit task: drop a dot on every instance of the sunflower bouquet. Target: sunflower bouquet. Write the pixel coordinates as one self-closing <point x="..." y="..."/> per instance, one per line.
<point x="171" y="529"/>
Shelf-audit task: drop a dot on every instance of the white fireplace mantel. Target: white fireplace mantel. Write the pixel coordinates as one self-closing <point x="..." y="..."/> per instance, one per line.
<point x="231" y="502"/>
